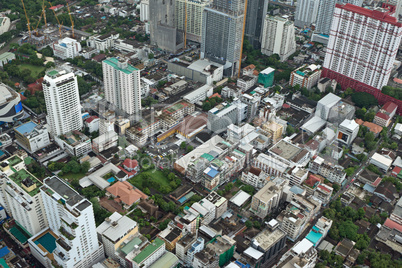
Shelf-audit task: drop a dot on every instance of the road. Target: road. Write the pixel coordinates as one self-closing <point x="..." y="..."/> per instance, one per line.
<point x="7" y="47"/>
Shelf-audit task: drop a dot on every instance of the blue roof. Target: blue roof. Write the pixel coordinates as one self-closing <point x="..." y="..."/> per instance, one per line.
<point x="314" y="237"/>
<point x="296" y="189"/>
<point x="324" y="35"/>
<point x="26" y="128"/>
<point x="369" y="188"/>
<point x="4" y="251"/>
<point x="212" y="172"/>
<point x="1" y="153"/>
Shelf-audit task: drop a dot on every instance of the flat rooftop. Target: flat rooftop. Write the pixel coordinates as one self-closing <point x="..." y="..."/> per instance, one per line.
<point x="70" y="196"/>
<point x="267" y="238"/>
<point x="26" y="181"/>
<point x="115" y="64"/>
<point x="286" y="150"/>
<point x="148" y="250"/>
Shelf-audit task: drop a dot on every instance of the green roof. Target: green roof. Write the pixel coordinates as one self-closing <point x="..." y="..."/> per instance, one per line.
<point x="28" y="160"/>
<point x="130" y="245"/>
<point x="20" y="234"/>
<point x="207" y="156"/>
<point x="217" y="162"/>
<point x="114" y="63"/>
<point x="53" y="73"/>
<point x="166" y="261"/>
<point x="21" y="175"/>
<point x="6" y="55"/>
<point x="148" y="250"/>
<point x="14" y="160"/>
<point x="2" y="261"/>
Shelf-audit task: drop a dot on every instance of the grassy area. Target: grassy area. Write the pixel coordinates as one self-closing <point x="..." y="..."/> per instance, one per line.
<point x="156" y="176"/>
<point x="71" y="176"/>
<point x="35" y="70"/>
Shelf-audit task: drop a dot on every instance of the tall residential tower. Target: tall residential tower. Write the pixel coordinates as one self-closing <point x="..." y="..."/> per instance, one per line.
<point x="62" y="102"/>
<point x="122" y="85"/>
<point x="194" y="10"/>
<point x="256" y="12"/>
<point x="306" y="12"/>
<point x="362" y="47"/>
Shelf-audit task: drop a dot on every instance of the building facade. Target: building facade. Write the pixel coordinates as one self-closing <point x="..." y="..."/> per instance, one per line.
<point x="194" y="10"/>
<point x="66" y="48"/>
<point x="278" y="37"/>
<point x="306" y="13"/>
<point x="222" y="34"/>
<point x="122" y="85"/>
<point x="62" y="102"/>
<point x="31" y="136"/>
<point x="256" y="12"/>
<point x="305" y="76"/>
<point x="352" y="57"/>
<point x="71" y="218"/>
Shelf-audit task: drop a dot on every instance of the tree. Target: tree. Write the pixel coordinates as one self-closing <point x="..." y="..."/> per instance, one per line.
<point x="189" y="148"/>
<point x="183" y="145"/>
<point x="348" y="229"/>
<point x="349" y="171"/>
<point x="150" y="56"/>
<point x="290" y="130"/>
<point x="257" y="224"/>
<point x="369" y="137"/>
<point x="364" y="99"/>
<point x="163" y="225"/>
<point x="360" y="113"/>
<point x="171" y="176"/>
<point x="85" y="167"/>
<point x="248" y="224"/>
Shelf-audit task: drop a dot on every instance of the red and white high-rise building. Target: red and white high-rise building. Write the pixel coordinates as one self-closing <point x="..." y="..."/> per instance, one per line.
<point x="362" y="47"/>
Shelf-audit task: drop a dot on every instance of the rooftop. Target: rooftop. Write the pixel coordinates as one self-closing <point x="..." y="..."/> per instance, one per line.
<point x="166" y="261"/>
<point x="115" y="64"/>
<point x="116" y="227"/>
<point x="286" y="150"/>
<point x="148" y="250"/>
<point x="26" y="181"/>
<point x="65" y="192"/>
<point x="267" y="238"/>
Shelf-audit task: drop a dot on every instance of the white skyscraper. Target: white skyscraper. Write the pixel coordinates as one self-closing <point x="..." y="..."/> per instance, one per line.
<point x="306" y="12"/>
<point x="194" y="11"/>
<point x="71" y="219"/>
<point x="362" y="47"/>
<point x="22" y="199"/>
<point x="278" y="37"/>
<point x="62" y="102"/>
<point x="144" y="10"/>
<point x="122" y="85"/>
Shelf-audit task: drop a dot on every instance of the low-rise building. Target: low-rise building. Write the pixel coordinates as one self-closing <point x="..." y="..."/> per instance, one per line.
<point x="6" y="57"/>
<point x="331" y="172"/>
<point x="4" y="24"/>
<point x="323" y="193"/>
<point x="380" y="161"/>
<point x="102" y="42"/>
<point x="319" y="231"/>
<point x="105" y="141"/>
<point x="199" y="94"/>
<point x="245" y="82"/>
<point x="171" y="235"/>
<point x="347" y="131"/>
<point x="114" y="231"/>
<point x="92" y="123"/>
<point x="305" y="76"/>
<point x="266" y="77"/>
<point x="187" y="247"/>
<point x="74" y="143"/>
<point x="31" y="136"/>
<point x="255" y="177"/>
<point x="301" y="255"/>
<point x="125" y="193"/>
<point x="66" y="48"/>
<point x="147" y="255"/>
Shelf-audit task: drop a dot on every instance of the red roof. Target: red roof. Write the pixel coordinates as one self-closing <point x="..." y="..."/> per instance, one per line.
<point x="125" y="192"/>
<point x="286" y="106"/>
<point x="377" y="182"/>
<point x="129" y="173"/>
<point x="382" y="115"/>
<point x="375" y="14"/>
<point x="22" y="97"/>
<point x="90" y="119"/>
<point x="312" y="180"/>
<point x="215" y="95"/>
<point x="393" y="225"/>
<point x="322" y="187"/>
<point x="389" y="107"/>
<point x="130" y="163"/>
<point x="396" y="170"/>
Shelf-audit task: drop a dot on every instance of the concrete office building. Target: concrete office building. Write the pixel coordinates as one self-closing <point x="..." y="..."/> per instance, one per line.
<point x="256" y="12"/>
<point x="164" y="33"/>
<point x="303" y="255"/>
<point x="194" y="18"/>
<point x="102" y="42"/>
<point x="306" y="13"/>
<point x="199" y="94"/>
<point x="66" y="48"/>
<point x="278" y="37"/>
<point x="122" y="85"/>
<point x="71" y="218"/>
<point x="22" y="200"/>
<point x="222" y="34"/>
<point x="266" y="200"/>
<point x="351" y="50"/>
<point x="270" y="241"/>
<point x="220" y="118"/>
<point x="31" y="136"/>
<point x="347" y="131"/>
<point x="114" y="231"/>
<point x="62" y="102"/>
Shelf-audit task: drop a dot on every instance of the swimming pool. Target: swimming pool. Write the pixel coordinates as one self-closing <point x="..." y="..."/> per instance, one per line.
<point x="47" y="241"/>
<point x="111" y="179"/>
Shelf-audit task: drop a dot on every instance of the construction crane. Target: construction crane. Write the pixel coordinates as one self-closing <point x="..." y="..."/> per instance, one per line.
<point x="56" y="19"/>
<point x="26" y="15"/>
<point x="72" y="21"/>
<point x="242" y="37"/>
<point x="37" y="25"/>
